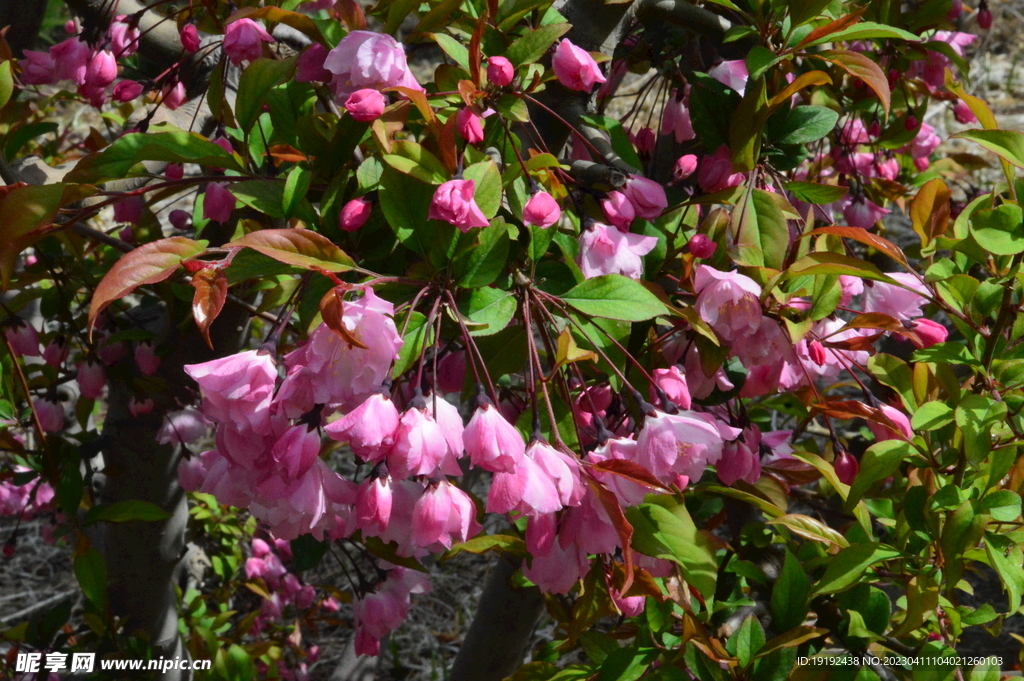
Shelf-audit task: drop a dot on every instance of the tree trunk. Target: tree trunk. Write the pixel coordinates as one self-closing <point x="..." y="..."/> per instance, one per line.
<point x="24" y="20"/>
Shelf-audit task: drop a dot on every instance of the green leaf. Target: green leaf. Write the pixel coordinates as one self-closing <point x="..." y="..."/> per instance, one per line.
<point x="864" y="30"/>
<point x="414" y="159"/>
<point x="746" y="640"/>
<point x="789" y="595"/>
<point x="481" y="255"/>
<point x="848" y="566"/>
<point x="91" y="572"/>
<point x="836" y="263"/>
<point x="1007" y="144"/>
<point x="6" y="83"/>
<point x="878" y="463"/>
<point x="760" y="59"/>
<point x="1003" y="505"/>
<point x="532" y="46"/>
<point x="627" y="664"/>
<point x="820" y="194"/>
<point x="976" y="414"/>
<point x="999" y="230"/>
<point x="490" y="310"/>
<point x="254" y="84"/>
<point x="802" y="11"/>
<point x="513" y="108"/>
<point x="664" y="529"/>
<point x="299" y="247"/>
<point x="119" y="159"/>
<point x="615" y="297"/>
<point x="1009" y="571"/>
<point x="487" y="192"/>
<point x="503" y="543"/>
<point x="932" y="416"/>
<point x="453" y="48"/>
<point x="417" y="335"/>
<point x="125" y="511"/>
<point x="295" y="187"/>
<point x="307" y="552"/>
<point x="763" y="233"/>
<point x="405" y="202"/>
<point x="803" y="125"/>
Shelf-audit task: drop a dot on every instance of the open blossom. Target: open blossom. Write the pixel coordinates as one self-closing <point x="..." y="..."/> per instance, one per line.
<point x="38" y="68"/>
<point x="238" y="388"/>
<point x="186" y="426"/>
<point x="71" y="60"/>
<point x="365" y="105"/>
<point x="172" y="95"/>
<point x="681" y="444"/>
<point x="716" y="171"/>
<point x="22" y="336"/>
<point x="385" y="609"/>
<point x="370" y="428"/>
<point x="731" y="73"/>
<point x="675" y="120"/>
<point x="728" y="301"/>
<point x="492" y="442"/>
<point x="672" y="382"/>
<point x="618" y="210"/>
<point x="741" y="459"/>
<point x="364" y="59"/>
<point x="443" y="515"/>
<point x="608" y="250"/>
<point x="124" y="36"/>
<point x="541" y="210"/>
<point x="575" y="68"/>
<point x="647" y="196"/>
<point x="453" y="202"/>
<point x="902" y="302"/>
<point x="419" y="444"/>
<point x="243" y="40"/>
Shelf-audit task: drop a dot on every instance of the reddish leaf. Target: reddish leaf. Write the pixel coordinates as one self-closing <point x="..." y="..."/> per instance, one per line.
<point x="808" y="79"/>
<point x="147" y="264"/>
<point x="867" y="238"/>
<point x="877" y="320"/>
<point x="793" y="471"/>
<point x="631" y="471"/>
<point x="860" y="66"/>
<point x="351" y="13"/>
<point x="929" y="211"/>
<point x="621" y="525"/>
<point x="832" y="27"/>
<point x="299" y="247"/>
<point x="332" y="309"/>
<point x="851" y="409"/>
<point x="211" y="287"/>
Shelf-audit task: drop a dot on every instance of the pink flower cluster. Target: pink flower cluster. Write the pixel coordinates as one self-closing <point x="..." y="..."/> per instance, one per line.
<point x="24" y="501"/>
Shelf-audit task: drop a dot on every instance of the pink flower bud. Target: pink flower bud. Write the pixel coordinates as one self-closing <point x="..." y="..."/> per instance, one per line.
<point x="127" y="90"/>
<point x="644" y="141"/>
<point x="102" y="70"/>
<point x="817" y="352"/>
<point x="685" y="166"/>
<point x="701" y="246"/>
<point x="124" y="36"/>
<point x="355" y="214"/>
<point x="243" y="40"/>
<point x="260" y="548"/>
<point x="126" y="234"/>
<point x="963" y="113"/>
<point x="716" y="171"/>
<point x="541" y="210"/>
<point x="500" y="71"/>
<point x="224" y="143"/>
<point x="174" y="171"/>
<point x="51" y="414"/>
<point x="911" y="122"/>
<point x="373" y="504"/>
<point x="218" y="202"/>
<point x="846" y="467"/>
<point x="672" y="382"/>
<point x="984" y="18"/>
<point x="618" y="210"/>
<point x="128" y="209"/>
<point x="22" y="336"/>
<point x="647" y="196"/>
<point x="575" y="68"/>
<point x="492" y="442"/>
<point x="146" y="358"/>
<point x="181" y="220"/>
<point x="875" y="129"/>
<point x="173" y="95"/>
<point x="190" y="38"/>
<point x="310" y="66"/>
<point x="469" y="125"/>
<point x="453" y="202"/>
<point x="140" y="406"/>
<point x="56" y="352"/>
<point x="899" y="419"/>
<point x="91" y="378"/>
<point x="365" y="105"/>
<point x="929" y="332"/>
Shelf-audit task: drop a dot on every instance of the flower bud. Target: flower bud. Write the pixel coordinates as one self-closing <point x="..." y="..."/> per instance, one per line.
<point x="541" y="210"/>
<point x="218" y="203"/>
<point x="575" y="68"/>
<point x="644" y="141"/>
<point x="355" y="214"/>
<point x="929" y="332"/>
<point x="701" y="246"/>
<point x="911" y="122"/>
<point x="365" y="105"/>
<point x="22" y="336"/>
<point x="685" y="166"/>
<point x="56" y="352"/>
<point x="469" y="125"/>
<point x="817" y="352"/>
<point x="50" y="413"/>
<point x="146" y="358"/>
<point x="243" y="40"/>
<point x="190" y="38"/>
<point x="181" y="220"/>
<point x="500" y="71"/>
<point x="139" y="406"/>
<point x="846" y="467"/>
<point x="174" y="171"/>
<point x="984" y="17"/>
<point x="127" y="90"/>
<point x="91" y="378"/>
<point x="128" y="210"/>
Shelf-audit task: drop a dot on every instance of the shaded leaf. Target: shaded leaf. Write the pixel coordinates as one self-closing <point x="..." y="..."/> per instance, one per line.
<point x="299" y="247"/>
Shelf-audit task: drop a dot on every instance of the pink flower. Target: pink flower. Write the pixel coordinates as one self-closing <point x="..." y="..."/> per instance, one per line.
<point x="607" y="250"/>
<point x="846" y="467"/>
<point x="925" y="142"/>
<point x="172" y="95"/>
<point x="469" y="125"/>
<point x="373" y="503"/>
<point x="296" y="450"/>
<point x="364" y="59"/>
<point x="728" y="301"/>
<point x="354" y="214"/>
<point x="50" y="413"/>
<point x="22" y="336"/>
<point x="882" y="432"/>
<point x="138" y="406"/>
<point x="124" y="36"/>
<point x="716" y="171"/>
<point x="442" y="515"/>
<point x="644" y="141"/>
<point x="218" y="202"/>
<point x="562" y="469"/>
<point x="453" y="202"/>
<point x="854" y="133"/>
<point x="310" y="66"/>
<point x="492" y="442"/>
<point x="146" y="358"/>
<point x="618" y="210"/>
<point x="681" y="444"/>
<point x="541" y="211"/>
<point x="56" y="352"/>
<point x="526" y="489"/>
<point x="575" y="68"/>
<point x="863" y="213"/>
<point x="675" y="120"/>
<point x="672" y="382"/>
<point x="701" y="246"/>
<point x="647" y="196"/>
<point x="243" y="40"/>
<point x="102" y="70"/>
<point x="127" y="90"/>
<point x="91" y="378"/>
<point x="174" y="171"/>
<point x="190" y="38"/>
<point x="38" y="68"/>
<point x="500" y="71"/>
<point x="419" y="444"/>
<point x="237" y="389"/>
<point x="731" y="73"/>
<point x="385" y="609"/>
<point x="929" y="332"/>
<point x="686" y="165"/>
<point x="370" y="428"/>
<point x="365" y="105"/>
<point x="71" y="60"/>
<point x="186" y="426"/>
<point x="963" y="113"/>
<point x="224" y="143"/>
<point x="740" y="459"/>
<point x="985" y="18"/>
<point x="191" y="473"/>
<point x="903" y="302"/>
